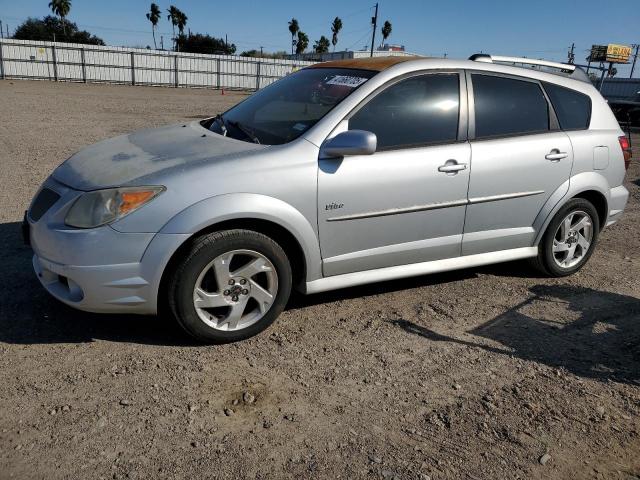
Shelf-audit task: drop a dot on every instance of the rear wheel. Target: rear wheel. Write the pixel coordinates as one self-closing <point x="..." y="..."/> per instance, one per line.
<point x="230" y="286"/>
<point x="569" y="240"/>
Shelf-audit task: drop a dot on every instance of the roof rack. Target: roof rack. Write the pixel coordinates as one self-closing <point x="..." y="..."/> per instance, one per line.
<point x="564" y="69"/>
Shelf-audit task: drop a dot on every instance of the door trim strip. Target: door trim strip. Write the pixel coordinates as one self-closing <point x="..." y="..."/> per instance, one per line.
<point x="433" y="206"/>
<point x="397" y="211"/>
<point x="504" y="196"/>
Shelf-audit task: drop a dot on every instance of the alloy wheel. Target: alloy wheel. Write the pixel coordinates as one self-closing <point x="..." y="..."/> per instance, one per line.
<point x="235" y="290"/>
<point x="572" y="239"/>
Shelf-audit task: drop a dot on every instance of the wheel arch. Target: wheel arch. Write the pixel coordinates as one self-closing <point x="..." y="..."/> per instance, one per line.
<point x="599" y="201"/>
<point x="267" y="215"/>
<point x="589" y="185"/>
<point x="277" y="232"/>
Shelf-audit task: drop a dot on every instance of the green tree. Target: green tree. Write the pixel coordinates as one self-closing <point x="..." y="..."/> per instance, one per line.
<point x="202" y="43"/>
<point x="336" y="26"/>
<point x="154" y="17"/>
<point x="257" y="54"/>
<point x="294" y="28"/>
<point x="322" y="45"/>
<point x="45" y="29"/>
<point x="302" y="43"/>
<point x="386" y="30"/>
<point x="61" y="8"/>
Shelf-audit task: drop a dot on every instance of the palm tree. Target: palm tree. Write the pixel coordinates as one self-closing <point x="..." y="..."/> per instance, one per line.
<point x="182" y="21"/>
<point x="61" y="8"/>
<point x="322" y="45"/>
<point x="154" y="17"/>
<point x="294" y="28"/>
<point x="173" y="18"/>
<point x="336" y="26"/>
<point x="302" y="43"/>
<point x="386" y="31"/>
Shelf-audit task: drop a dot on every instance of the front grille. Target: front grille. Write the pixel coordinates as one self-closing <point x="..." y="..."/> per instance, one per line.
<point x="43" y="202"/>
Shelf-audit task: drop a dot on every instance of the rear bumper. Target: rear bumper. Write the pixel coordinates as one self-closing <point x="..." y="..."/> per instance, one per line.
<point x="617" y="202"/>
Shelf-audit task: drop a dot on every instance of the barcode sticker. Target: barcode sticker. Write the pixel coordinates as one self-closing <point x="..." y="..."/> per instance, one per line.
<point x="347" y="81"/>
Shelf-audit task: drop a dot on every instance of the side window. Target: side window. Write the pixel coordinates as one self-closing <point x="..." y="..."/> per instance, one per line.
<point x="572" y="108"/>
<point x="505" y="106"/>
<point x="417" y="111"/>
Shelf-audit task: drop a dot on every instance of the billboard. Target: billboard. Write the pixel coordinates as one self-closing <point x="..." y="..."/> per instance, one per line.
<point x="610" y="53"/>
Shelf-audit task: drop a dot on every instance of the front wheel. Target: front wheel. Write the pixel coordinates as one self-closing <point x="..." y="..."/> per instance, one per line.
<point x="230" y="286"/>
<point x="569" y="240"/>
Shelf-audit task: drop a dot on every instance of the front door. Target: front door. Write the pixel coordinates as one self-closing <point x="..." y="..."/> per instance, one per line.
<point x="520" y="159"/>
<point x="405" y="203"/>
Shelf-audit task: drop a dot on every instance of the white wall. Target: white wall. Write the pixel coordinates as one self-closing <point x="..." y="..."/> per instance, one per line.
<point x="76" y="62"/>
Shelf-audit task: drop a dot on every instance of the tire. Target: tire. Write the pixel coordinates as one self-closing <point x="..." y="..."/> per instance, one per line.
<point x="551" y="262"/>
<point x="209" y="313"/>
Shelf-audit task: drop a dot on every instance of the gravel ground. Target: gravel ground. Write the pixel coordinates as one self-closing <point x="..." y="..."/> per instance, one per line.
<point x="487" y="373"/>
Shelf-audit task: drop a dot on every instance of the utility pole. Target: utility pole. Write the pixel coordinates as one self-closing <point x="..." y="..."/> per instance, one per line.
<point x="161" y="42"/>
<point x="374" y="20"/>
<point x="1" y="32"/>
<point x="635" y="57"/>
<point x="571" y="56"/>
<point x="261" y="47"/>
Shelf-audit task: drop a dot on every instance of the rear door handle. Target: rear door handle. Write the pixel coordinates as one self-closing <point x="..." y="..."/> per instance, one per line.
<point x="556" y="155"/>
<point x="451" y="166"/>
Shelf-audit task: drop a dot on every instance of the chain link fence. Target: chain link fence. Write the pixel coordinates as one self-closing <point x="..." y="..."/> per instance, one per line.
<point x="135" y="66"/>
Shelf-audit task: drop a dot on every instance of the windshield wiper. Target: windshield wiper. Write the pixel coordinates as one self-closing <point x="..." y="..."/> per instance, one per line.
<point x="246" y="130"/>
<point x="218" y="118"/>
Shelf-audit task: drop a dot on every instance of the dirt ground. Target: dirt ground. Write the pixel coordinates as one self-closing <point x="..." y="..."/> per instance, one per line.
<point x="489" y="373"/>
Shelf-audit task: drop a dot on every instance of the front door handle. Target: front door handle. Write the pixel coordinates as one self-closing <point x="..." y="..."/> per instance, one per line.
<point x="556" y="155"/>
<point x="451" y="166"/>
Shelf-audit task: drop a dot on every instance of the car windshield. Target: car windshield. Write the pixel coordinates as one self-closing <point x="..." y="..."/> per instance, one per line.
<point x="286" y="109"/>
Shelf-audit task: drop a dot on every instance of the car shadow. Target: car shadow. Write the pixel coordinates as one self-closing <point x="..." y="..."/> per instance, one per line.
<point x="590" y="333"/>
<point x="603" y="342"/>
<point x="29" y="315"/>
<point x="299" y="300"/>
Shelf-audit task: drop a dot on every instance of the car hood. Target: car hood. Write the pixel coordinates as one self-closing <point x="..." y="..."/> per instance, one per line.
<point x="147" y="154"/>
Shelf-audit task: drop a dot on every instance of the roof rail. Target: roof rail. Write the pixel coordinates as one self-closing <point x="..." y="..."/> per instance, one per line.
<point x="564" y="69"/>
<point x="481" y="57"/>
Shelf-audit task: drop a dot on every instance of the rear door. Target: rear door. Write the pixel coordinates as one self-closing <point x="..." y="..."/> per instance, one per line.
<point x="519" y="157"/>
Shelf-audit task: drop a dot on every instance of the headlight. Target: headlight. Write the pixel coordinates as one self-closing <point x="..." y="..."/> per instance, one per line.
<point x="100" y="207"/>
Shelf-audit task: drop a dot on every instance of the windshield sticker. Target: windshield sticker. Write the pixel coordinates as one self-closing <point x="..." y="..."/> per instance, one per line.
<point x="347" y="81"/>
<point x="300" y="127"/>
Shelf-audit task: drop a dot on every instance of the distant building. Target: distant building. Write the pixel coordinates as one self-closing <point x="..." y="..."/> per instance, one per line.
<point x="387" y="47"/>
<point x="384" y="51"/>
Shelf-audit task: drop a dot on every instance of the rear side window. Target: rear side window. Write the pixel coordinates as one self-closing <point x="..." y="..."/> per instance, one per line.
<point x="418" y="111"/>
<point x="572" y="108"/>
<point x="505" y="106"/>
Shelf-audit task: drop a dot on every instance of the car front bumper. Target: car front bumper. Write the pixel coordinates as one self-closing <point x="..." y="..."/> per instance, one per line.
<point x="99" y="269"/>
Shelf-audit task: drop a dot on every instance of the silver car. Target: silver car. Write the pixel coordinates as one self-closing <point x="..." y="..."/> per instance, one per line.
<point x="340" y="174"/>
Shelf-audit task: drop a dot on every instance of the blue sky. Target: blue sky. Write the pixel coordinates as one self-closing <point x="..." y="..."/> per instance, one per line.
<point x="542" y="28"/>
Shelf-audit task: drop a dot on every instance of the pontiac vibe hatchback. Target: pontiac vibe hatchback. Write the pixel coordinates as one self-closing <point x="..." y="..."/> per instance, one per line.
<point x="340" y="174"/>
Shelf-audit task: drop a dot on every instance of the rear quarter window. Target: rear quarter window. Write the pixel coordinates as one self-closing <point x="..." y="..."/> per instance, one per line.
<point x="572" y="108"/>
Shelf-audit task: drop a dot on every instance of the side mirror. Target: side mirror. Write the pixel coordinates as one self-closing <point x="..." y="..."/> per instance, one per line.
<point x="351" y="142"/>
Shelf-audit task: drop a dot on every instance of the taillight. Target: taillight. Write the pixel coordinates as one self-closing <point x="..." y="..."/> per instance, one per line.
<point x="626" y="150"/>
